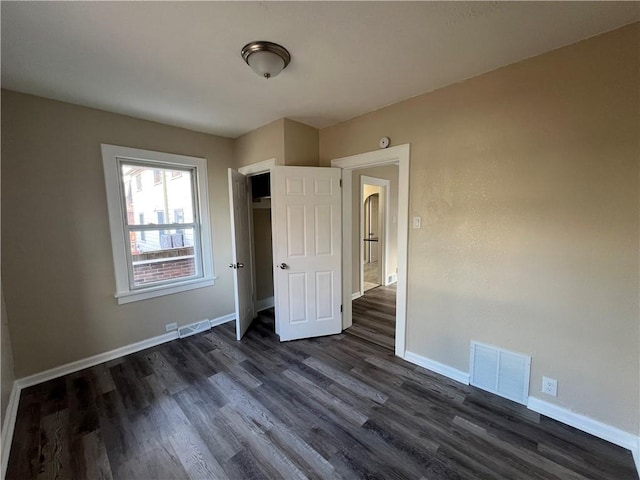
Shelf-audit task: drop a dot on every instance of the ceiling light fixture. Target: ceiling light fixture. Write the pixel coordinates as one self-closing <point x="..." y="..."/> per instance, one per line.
<point x="265" y="58"/>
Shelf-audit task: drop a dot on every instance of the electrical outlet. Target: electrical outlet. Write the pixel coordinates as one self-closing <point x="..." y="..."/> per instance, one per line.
<point x="170" y="327"/>
<point x="550" y="386"/>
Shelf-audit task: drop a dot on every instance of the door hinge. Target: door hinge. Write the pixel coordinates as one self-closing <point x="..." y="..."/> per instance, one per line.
<point x="340" y="308"/>
<point x="340" y="183"/>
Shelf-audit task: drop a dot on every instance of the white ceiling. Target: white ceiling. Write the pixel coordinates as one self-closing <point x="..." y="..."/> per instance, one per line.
<point x="179" y="62"/>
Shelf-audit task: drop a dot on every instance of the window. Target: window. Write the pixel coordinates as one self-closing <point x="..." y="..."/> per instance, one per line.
<point x="143" y="234"/>
<point x="138" y="182"/>
<point x="175" y="174"/>
<point x="160" y="217"/>
<point x="157" y="176"/>
<point x="171" y="253"/>
<point x="178" y="217"/>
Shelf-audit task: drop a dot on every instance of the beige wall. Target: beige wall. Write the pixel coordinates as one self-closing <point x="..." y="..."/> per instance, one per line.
<point x="289" y="142"/>
<point x="263" y="252"/>
<point x="57" y="266"/>
<point x="300" y="144"/>
<point x="387" y="172"/>
<point x="6" y="363"/>
<point x="261" y="144"/>
<point x="527" y="182"/>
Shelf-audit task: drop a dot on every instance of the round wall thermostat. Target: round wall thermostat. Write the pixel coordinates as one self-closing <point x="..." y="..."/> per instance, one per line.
<point x="384" y="142"/>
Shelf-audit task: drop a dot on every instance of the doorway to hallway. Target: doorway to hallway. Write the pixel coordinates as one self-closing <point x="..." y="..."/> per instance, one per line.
<point x="374" y="316"/>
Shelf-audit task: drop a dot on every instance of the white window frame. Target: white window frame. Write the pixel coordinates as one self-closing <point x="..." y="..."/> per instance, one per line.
<point x="111" y="156"/>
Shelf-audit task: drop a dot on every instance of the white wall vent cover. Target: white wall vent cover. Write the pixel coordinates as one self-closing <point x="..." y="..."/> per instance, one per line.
<point x="500" y="371"/>
<point x="188" y="330"/>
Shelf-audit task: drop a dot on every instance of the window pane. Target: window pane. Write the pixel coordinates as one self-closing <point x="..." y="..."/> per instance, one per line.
<point x="161" y="255"/>
<point x="157" y="195"/>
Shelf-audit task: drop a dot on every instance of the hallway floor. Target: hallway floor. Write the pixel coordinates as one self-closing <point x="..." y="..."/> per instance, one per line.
<point x="374" y="316"/>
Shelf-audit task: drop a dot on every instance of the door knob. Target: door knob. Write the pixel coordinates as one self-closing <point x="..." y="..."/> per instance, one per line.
<point x="283" y="266"/>
<point x="240" y="265"/>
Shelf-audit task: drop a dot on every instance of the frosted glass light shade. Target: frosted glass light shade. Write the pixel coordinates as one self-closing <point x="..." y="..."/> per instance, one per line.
<point x="267" y="59"/>
<point x="266" y="64"/>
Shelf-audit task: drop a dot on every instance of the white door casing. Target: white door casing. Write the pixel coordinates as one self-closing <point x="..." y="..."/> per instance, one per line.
<point x="241" y="261"/>
<point x="400" y="155"/>
<point x="306" y="208"/>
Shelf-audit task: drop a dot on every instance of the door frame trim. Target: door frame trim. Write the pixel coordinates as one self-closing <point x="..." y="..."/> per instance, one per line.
<point x="394" y="155"/>
<point x="257" y="168"/>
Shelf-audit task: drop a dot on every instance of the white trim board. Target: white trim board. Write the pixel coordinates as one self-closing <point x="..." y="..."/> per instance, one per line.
<point x="106" y="356"/>
<point x="229" y="317"/>
<point x="437" y="367"/>
<point x="589" y="425"/>
<point x="264" y="304"/>
<point x="259" y="167"/>
<point x="78" y="365"/>
<point x="8" y="426"/>
<point x="356" y="295"/>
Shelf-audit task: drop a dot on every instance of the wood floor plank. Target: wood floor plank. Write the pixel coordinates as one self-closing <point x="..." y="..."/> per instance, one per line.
<point x="325" y="408"/>
<point x="244" y="465"/>
<point x="333" y="403"/>
<point x="157" y="464"/>
<point x="95" y="459"/>
<point x="204" y="417"/>
<point x="310" y="461"/>
<point x="270" y="457"/>
<point x="194" y="455"/>
<point x="55" y="463"/>
<point x="347" y="381"/>
<point x="24" y="457"/>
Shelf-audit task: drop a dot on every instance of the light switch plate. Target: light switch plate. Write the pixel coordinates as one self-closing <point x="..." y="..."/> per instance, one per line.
<point x="417" y="222"/>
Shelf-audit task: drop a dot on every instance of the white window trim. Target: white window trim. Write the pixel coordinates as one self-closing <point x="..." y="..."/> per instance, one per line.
<point x="110" y="156"/>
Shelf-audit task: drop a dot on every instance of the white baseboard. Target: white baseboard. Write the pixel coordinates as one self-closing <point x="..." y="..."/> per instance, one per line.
<point x="391" y="279"/>
<point x="437" y="367"/>
<point x="229" y="317"/>
<point x="21" y="383"/>
<point x="594" y="427"/>
<point x="355" y="295"/>
<point x="581" y="422"/>
<point x="95" y="360"/>
<point x="8" y="426"/>
<point x="106" y="356"/>
<point x="264" y="304"/>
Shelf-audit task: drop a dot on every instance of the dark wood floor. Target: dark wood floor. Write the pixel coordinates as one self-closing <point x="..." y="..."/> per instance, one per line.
<point x="374" y="316"/>
<point x="336" y="407"/>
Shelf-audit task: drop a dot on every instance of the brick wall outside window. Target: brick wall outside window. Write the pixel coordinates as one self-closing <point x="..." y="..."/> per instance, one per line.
<point x="162" y="267"/>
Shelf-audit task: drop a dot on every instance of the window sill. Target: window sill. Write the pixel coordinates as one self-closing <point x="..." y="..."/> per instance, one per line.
<point x="161" y="290"/>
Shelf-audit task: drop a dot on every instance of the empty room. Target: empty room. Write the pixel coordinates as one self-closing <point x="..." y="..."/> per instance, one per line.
<point x="245" y="240"/>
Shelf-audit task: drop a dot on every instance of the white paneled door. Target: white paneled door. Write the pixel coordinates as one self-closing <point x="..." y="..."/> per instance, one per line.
<point x="306" y="252"/>
<point x="241" y="251"/>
